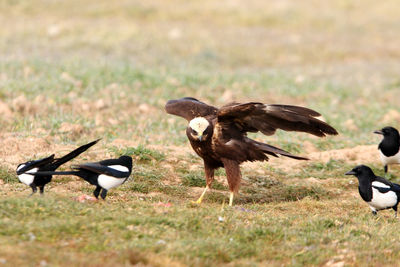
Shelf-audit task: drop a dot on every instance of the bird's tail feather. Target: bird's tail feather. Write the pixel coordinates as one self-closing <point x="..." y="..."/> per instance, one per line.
<point x="60" y="161"/>
<point x="271" y="150"/>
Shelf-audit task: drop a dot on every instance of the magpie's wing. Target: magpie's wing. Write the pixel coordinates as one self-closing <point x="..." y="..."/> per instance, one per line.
<point x="396" y="187"/>
<point x="34" y="164"/>
<point x="43" y="161"/>
<point x="254" y="117"/>
<point x="382" y="189"/>
<point x="189" y="108"/>
<point x="58" y="162"/>
<point x="384" y="186"/>
<point x="102" y="169"/>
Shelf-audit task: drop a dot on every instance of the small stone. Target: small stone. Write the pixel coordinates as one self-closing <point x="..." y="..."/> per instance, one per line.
<point x="144" y="108"/>
<point x="53" y="30"/>
<point x="161" y="242"/>
<point x="100" y="104"/>
<point x="31" y="236"/>
<point x="175" y="33"/>
<point x="130" y="227"/>
<point x="299" y="79"/>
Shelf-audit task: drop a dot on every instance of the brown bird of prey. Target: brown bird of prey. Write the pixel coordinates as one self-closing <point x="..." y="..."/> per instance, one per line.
<point x="219" y="136"/>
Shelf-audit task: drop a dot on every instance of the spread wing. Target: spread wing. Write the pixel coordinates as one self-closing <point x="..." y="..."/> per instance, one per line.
<point x="102" y="169"/>
<point x="189" y="108"/>
<point x="254" y="117"/>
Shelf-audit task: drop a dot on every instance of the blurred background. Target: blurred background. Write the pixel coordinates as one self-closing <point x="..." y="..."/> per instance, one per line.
<point x="72" y="71"/>
<point x="107" y="67"/>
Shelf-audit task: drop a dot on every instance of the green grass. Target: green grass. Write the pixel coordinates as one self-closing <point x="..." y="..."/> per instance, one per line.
<point x="7" y="175"/>
<point x="141" y="153"/>
<point x="182" y="230"/>
<point x="71" y="73"/>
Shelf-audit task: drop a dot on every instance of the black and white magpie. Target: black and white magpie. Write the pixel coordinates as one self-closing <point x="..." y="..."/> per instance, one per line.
<point x="26" y="171"/>
<point x="389" y="147"/>
<point x="104" y="174"/>
<point x="379" y="193"/>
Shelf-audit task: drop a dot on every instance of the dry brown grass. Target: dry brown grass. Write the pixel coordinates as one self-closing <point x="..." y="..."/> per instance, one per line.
<point x="74" y="71"/>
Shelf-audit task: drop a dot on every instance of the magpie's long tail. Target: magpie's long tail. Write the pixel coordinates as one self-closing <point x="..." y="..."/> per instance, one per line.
<point x="47" y="173"/>
<point x="60" y="161"/>
<point x="273" y="151"/>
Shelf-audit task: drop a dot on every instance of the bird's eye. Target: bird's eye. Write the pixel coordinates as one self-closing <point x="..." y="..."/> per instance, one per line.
<point x="194" y="132"/>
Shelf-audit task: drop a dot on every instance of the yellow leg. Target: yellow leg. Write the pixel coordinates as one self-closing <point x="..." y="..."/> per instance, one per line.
<point x="231" y="199"/>
<point x="201" y="197"/>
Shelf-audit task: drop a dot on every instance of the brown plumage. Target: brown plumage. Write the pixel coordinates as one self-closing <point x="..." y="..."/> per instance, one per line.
<point x="218" y="136"/>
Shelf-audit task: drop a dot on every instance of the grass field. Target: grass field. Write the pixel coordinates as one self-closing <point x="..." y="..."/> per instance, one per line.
<point x="74" y="71"/>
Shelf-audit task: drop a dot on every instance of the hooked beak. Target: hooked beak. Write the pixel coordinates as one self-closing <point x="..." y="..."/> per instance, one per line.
<point x="378" y="132"/>
<point x="200" y="137"/>
<point x="350" y="173"/>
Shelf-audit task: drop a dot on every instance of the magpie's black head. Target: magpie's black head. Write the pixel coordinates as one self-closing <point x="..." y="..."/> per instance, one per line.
<point x="126" y="161"/>
<point x="361" y="171"/>
<point x="388" y="132"/>
<point x="24" y="167"/>
<point x="390" y="143"/>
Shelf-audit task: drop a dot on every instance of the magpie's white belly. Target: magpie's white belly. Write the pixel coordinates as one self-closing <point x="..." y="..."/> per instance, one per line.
<point x="108" y="182"/>
<point x="382" y="200"/>
<point x="27" y="178"/>
<point x="390" y="160"/>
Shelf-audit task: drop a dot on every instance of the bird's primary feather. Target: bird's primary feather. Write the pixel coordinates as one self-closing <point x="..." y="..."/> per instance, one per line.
<point x="99" y="168"/>
<point x="189" y="108"/>
<point x="253" y="117"/>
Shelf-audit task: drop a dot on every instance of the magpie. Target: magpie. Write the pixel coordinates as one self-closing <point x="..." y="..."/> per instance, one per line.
<point x="104" y="174"/>
<point x="26" y="171"/>
<point x="378" y="192"/>
<point x="389" y="146"/>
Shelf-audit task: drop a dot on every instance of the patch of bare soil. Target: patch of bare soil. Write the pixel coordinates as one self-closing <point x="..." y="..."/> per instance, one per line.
<point x="15" y="149"/>
<point x="391" y="117"/>
<point x="72" y="130"/>
<point x="356" y="155"/>
<point x="5" y="111"/>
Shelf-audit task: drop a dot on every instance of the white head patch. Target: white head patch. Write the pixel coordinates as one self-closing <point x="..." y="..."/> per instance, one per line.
<point x="199" y="124"/>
